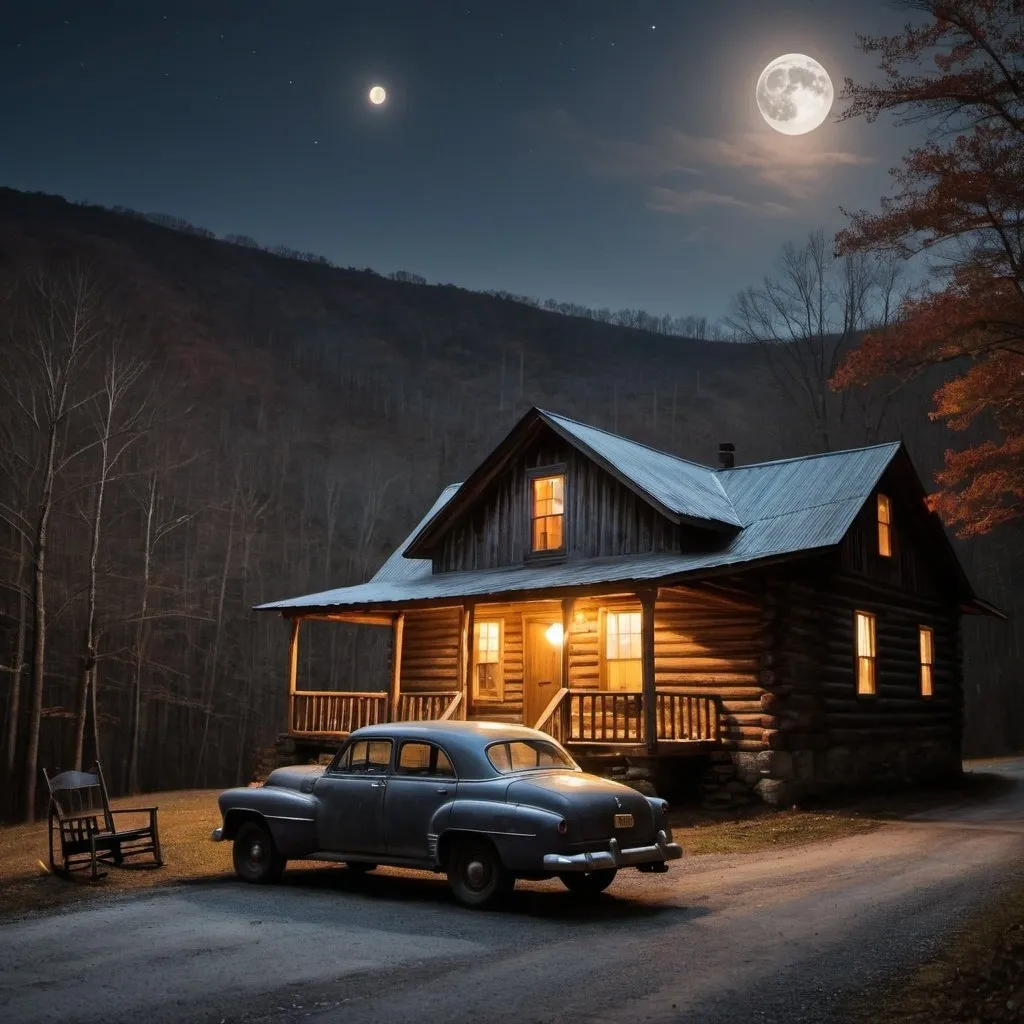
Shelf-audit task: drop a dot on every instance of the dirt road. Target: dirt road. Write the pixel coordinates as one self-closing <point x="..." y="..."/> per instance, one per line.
<point x="785" y="936"/>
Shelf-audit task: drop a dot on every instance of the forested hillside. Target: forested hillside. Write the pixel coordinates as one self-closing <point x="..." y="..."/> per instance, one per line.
<point x="191" y="426"/>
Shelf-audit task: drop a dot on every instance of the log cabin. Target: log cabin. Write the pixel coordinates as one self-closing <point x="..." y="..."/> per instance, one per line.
<point x="783" y="628"/>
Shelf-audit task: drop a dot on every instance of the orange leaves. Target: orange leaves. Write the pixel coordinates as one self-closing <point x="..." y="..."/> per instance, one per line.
<point x="960" y="197"/>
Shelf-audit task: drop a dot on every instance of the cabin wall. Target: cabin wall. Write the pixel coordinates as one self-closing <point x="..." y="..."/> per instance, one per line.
<point x="603" y="517"/>
<point x="431" y="638"/>
<point x="829" y="737"/>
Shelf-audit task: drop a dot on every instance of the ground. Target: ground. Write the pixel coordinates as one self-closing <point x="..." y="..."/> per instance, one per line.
<point x="791" y="933"/>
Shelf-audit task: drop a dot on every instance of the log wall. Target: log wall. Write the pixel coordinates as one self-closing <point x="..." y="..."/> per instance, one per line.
<point x="602" y="516"/>
<point x="430" y="650"/>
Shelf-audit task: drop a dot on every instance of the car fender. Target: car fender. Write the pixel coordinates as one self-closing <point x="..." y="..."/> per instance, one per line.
<point x="290" y="816"/>
<point x="522" y="835"/>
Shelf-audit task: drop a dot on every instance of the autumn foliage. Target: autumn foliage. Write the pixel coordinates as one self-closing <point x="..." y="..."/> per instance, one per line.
<point x="959" y="204"/>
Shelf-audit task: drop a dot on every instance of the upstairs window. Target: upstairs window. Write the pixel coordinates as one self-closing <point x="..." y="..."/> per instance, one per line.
<point x="884" y="526"/>
<point x="927" y="643"/>
<point x="864" y="625"/>
<point x="547" y="513"/>
<point x="488" y="679"/>
<point x="622" y="650"/>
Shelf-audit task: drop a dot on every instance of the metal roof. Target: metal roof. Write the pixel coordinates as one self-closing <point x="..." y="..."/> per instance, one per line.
<point x="685" y="488"/>
<point x="785" y="508"/>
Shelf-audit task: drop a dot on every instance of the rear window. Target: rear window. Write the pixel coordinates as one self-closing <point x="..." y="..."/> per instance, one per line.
<point x="527" y="755"/>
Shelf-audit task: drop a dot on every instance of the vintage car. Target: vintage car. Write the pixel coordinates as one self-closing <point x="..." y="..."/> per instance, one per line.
<point x="485" y="802"/>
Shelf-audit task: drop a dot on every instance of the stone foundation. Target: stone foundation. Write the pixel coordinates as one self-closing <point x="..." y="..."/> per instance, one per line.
<point x="781" y="777"/>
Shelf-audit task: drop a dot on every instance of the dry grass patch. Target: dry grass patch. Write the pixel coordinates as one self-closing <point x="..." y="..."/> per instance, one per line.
<point x="764" y="830"/>
<point x="186" y="820"/>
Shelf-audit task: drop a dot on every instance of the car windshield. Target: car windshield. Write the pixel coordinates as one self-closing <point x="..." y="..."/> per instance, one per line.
<point x="527" y="755"/>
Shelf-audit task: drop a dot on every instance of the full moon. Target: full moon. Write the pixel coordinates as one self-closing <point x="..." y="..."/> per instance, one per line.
<point x="378" y="95"/>
<point x="794" y="94"/>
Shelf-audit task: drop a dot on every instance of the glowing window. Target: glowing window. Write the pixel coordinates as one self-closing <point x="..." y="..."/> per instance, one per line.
<point x="884" y="526"/>
<point x="927" y="643"/>
<point x="623" y="650"/>
<point x="488" y="681"/>
<point x="866" y="653"/>
<point x="547" y="513"/>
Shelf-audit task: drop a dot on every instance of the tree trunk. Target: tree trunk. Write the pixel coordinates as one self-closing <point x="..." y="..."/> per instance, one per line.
<point x="39" y="624"/>
<point x="17" y="668"/>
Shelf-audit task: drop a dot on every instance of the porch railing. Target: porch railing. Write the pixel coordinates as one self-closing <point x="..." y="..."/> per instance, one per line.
<point x="327" y="712"/>
<point x="616" y="716"/>
<point x="418" y="707"/>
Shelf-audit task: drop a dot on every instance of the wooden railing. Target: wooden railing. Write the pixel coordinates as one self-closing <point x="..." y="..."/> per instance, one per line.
<point x="684" y="716"/>
<point x="616" y="716"/>
<point x="554" y="720"/>
<point x="330" y="712"/>
<point x="420" y="707"/>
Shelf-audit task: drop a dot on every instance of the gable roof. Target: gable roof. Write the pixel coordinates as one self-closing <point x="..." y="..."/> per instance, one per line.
<point x="783" y="509"/>
<point x="682" y="491"/>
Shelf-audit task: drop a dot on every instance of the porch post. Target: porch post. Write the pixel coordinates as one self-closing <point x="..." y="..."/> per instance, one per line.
<point x="293" y="671"/>
<point x="567" y="607"/>
<point x="396" y="665"/>
<point x="466" y="655"/>
<point x="650" y="692"/>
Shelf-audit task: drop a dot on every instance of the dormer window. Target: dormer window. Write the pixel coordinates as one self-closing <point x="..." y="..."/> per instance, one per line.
<point x="884" y="526"/>
<point x="547" y="513"/>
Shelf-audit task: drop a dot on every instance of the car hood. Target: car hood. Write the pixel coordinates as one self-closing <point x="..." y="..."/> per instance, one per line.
<point x="294" y="776"/>
<point x="586" y="801"/>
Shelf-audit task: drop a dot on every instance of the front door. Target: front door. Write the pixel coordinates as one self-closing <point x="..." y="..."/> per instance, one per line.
<point x="350" y="818"/>
<point x="422" y="783"/>
<point x="542" y="670"/>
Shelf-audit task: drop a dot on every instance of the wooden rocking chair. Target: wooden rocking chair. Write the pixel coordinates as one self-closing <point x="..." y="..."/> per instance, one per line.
<point x="81" y="818"/>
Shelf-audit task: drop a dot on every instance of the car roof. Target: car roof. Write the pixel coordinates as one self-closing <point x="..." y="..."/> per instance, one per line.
<point x="465" y="741"/>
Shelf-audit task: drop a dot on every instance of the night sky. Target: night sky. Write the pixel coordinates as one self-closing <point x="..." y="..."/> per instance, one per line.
<point x="608" y="152"/>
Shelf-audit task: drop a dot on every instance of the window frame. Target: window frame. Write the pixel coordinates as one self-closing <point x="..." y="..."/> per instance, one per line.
<point x="883" y="525"/>
<point x="534" y="474"/>
<point x="603" y="660"/>
<point x="870" y="659"/>
<point x="926" y="669"/>
<point x="474" y="683"/>
<point x="335" y="767"/>
<point x="431" y="772"/>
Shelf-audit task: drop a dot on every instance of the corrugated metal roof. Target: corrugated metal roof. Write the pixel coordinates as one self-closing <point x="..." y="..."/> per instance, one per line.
<point x="685" y="488"/>
<point x="788" y="507"/>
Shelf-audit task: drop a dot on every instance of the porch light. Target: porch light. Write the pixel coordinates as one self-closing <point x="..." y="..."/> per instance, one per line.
<point x="554" y="633"/>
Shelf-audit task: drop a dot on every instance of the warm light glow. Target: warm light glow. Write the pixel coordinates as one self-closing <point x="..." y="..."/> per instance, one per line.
<point x="547" y="513"/>
<point x="866" y="653"/>
<point x="554" y="633"/>
<point x="378" y="95"/>
<point x="794" y="94"/>
<point x="884" y="526"/>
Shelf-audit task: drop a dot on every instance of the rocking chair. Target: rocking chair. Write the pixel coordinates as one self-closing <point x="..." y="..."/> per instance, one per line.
<point x="81" y="818"/>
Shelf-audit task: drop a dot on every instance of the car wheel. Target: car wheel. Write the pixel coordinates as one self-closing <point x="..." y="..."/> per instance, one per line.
<point x="476" y="874"/>
<point x="588" y="883"/>
<point x="256" y="857"/>
<point x="359" y="867"/>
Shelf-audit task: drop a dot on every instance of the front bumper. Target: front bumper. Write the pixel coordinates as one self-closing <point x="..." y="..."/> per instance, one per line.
<point x="217" y="834"/>
<point x="615" y="856"/>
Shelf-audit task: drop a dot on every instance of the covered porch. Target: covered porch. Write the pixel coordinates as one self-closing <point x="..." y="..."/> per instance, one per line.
<point x="587" y="670"/>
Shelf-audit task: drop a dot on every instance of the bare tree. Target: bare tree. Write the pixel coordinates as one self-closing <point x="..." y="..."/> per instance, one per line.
<point x="117" y="413"/>
<point x="807" y="315"/>
<point x="56" y="322"/>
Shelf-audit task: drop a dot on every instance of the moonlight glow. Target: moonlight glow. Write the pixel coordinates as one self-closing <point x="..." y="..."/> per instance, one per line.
<point x="378" y="95"/>
<point x="794" y="94"/>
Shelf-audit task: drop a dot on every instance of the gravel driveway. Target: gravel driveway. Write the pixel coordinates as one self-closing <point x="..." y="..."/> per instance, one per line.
<point x="781" y="936"/>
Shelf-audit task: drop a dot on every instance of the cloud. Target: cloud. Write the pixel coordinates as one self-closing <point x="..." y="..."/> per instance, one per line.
<point x="669" y="200"/>
<point x="783" y="168"/>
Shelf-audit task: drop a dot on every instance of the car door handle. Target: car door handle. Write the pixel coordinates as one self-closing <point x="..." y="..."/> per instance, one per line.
<point x="380" y="784"/>
<point x="441" y="789"/>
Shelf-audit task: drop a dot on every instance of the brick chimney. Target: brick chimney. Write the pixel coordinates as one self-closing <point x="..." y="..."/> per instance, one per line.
<point x="727" y="455"/>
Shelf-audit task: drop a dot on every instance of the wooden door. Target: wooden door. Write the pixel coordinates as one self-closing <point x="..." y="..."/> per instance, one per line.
<point x="542" y="669"/>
